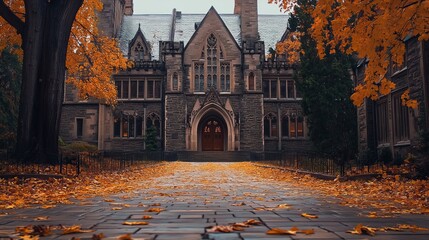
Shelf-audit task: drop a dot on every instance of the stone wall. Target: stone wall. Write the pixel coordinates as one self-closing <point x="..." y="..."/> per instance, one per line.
<point x="175" y="135"/>
<point x="251" y="112"/>
<point x="89" y="114"/>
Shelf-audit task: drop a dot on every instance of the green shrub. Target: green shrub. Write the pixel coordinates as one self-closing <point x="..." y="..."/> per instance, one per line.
<point x="79" y="147"/>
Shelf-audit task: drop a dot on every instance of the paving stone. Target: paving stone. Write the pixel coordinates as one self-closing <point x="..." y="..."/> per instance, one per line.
<point x="191" y="207"/>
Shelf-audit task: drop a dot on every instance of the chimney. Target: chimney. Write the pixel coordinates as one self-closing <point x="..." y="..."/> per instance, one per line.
<point x="248" y="20"/>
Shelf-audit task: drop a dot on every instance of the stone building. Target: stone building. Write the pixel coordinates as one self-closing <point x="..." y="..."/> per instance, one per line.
<point x="201" y="80"/>
<point x="386" y="123"/>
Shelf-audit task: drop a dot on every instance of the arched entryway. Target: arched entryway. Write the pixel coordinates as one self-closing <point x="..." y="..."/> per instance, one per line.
<point x="212" y="133"/>
<point x="212" y="112"/>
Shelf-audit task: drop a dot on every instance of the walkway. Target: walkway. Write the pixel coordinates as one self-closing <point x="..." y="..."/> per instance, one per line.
<point x="201" y="195"/>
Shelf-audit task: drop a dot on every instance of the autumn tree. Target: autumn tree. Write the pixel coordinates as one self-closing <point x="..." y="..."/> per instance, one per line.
<point x="372" y="29"/>
<point x="325" y="85"/>
<point x="48" y="31"/>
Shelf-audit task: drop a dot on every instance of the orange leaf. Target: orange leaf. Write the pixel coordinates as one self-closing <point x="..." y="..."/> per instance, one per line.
<point x="75" y="229"/>
<point x="155" y="210"/>
<point x="279" y="231"/>
<point x="309" y="216"/>
<point x="135" y="223"/>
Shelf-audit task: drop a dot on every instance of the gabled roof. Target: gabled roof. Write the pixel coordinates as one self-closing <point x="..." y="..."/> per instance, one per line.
<point x="157" y="27"/>
<point x="213" y="10"/>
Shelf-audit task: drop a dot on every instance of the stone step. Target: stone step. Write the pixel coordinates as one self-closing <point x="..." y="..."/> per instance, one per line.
<point x="213" y="156"/>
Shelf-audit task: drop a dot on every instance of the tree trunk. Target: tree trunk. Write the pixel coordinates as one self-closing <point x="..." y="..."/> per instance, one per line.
<point x="45" y="41"/>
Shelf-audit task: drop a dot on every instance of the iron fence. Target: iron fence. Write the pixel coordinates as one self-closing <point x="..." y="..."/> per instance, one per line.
<point x="304" y="161"/>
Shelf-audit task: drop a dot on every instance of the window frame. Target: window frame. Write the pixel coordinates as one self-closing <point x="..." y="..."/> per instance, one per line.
<point x="216" y="73"/>
<point x="77" y="120"/>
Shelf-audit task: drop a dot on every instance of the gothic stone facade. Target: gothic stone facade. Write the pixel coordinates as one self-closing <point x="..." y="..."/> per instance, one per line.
<point x="385" y="123"/>
<point x="202" y="82"/>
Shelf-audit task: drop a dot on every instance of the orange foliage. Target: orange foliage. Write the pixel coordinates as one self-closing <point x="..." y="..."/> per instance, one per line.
<point x="291" y="46"/>
<point x="373" y="29"/>
<point x="91" y="57"/>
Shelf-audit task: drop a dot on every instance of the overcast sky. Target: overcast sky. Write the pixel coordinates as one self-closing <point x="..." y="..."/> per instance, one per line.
<point x="197" y="6"/>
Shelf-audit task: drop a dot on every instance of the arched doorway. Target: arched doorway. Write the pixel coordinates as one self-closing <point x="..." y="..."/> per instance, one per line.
<point x="211" y="111"/>
<point x="212" y="134"/>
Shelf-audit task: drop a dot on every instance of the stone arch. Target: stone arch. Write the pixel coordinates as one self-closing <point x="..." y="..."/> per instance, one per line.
<point x="203" y="113"/>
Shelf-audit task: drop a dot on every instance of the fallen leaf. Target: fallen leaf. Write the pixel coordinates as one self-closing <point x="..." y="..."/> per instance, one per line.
<point x="224" y="229"/>
<point x="97" y="236"/>
<point x="147" y="217"/>
<point x="309" y="216"/>
<point x="135" y="223"/>
<point x="75" y="229"/>
<point x="252" y="222"/>
<point x="413" y="228"/>
<point x="239" y="204"/>
<point x="156" y="204"/>
<point x="284" y="205"/>
<point x="41" y="218"/>
<point x="361" y="229"/>
<point x="125" y="237"/>
<point x="109" y="200"/>
<point x="155" y="210"/>
<point x="307" y="231"/>
<point x="48" y="206"/>
<point x="41" y="230"/>
<point x="116" y="208"/>
<point x="280" y="231"/>
<point x="372" y="215"/>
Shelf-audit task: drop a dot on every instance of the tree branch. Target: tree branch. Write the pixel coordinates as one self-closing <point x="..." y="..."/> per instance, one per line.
<point x="11" y="18"/>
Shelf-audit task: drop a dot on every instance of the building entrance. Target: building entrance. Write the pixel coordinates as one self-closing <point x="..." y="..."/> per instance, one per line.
<point x="212" y="135"/>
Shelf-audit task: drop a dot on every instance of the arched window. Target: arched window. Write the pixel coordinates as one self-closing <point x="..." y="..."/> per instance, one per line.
<point x="175" y="82"/>
<point x="270" y="125"/>
<point x="153" y="120"/>
<point x="139" y="52"/>
<point x="251" y="81"/>
<point x="212" y="71"/>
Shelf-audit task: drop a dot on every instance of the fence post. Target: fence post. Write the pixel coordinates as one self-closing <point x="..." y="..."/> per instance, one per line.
<point x="78" y="164"/>
<point x="61" y="163"/>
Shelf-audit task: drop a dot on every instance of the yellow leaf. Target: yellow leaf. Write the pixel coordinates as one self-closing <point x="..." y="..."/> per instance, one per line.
<point x="135" y="223"/>
<point x="284" y="205"/>
<point x="155" y="210"/>
<point x="116" y="208"/>
<point x="41" y="218"/>
<point x="307" y="231"/>
<point x="48" y="206"/>
<point x="279" y="231"/>
<point x="75" y="229"/>
<point x="309" y="216"/>
<point x="125" y="237"/>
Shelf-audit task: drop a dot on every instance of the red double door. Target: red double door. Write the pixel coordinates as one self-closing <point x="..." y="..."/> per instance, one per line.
<point x="212" y="136"/>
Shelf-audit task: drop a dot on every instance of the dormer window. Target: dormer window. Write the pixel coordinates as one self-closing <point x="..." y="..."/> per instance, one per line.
<point x="139" y="52"/>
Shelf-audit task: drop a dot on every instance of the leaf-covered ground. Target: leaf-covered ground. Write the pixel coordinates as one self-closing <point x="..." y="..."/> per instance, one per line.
<point x="389" y="195"/>
<point x="18" y="193"/>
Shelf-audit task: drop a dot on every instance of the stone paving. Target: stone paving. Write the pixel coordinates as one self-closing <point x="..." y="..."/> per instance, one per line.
<point x="196" y="197"/>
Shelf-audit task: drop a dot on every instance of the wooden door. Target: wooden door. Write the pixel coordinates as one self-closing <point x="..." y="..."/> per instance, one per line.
<point x="212" y="136"/>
